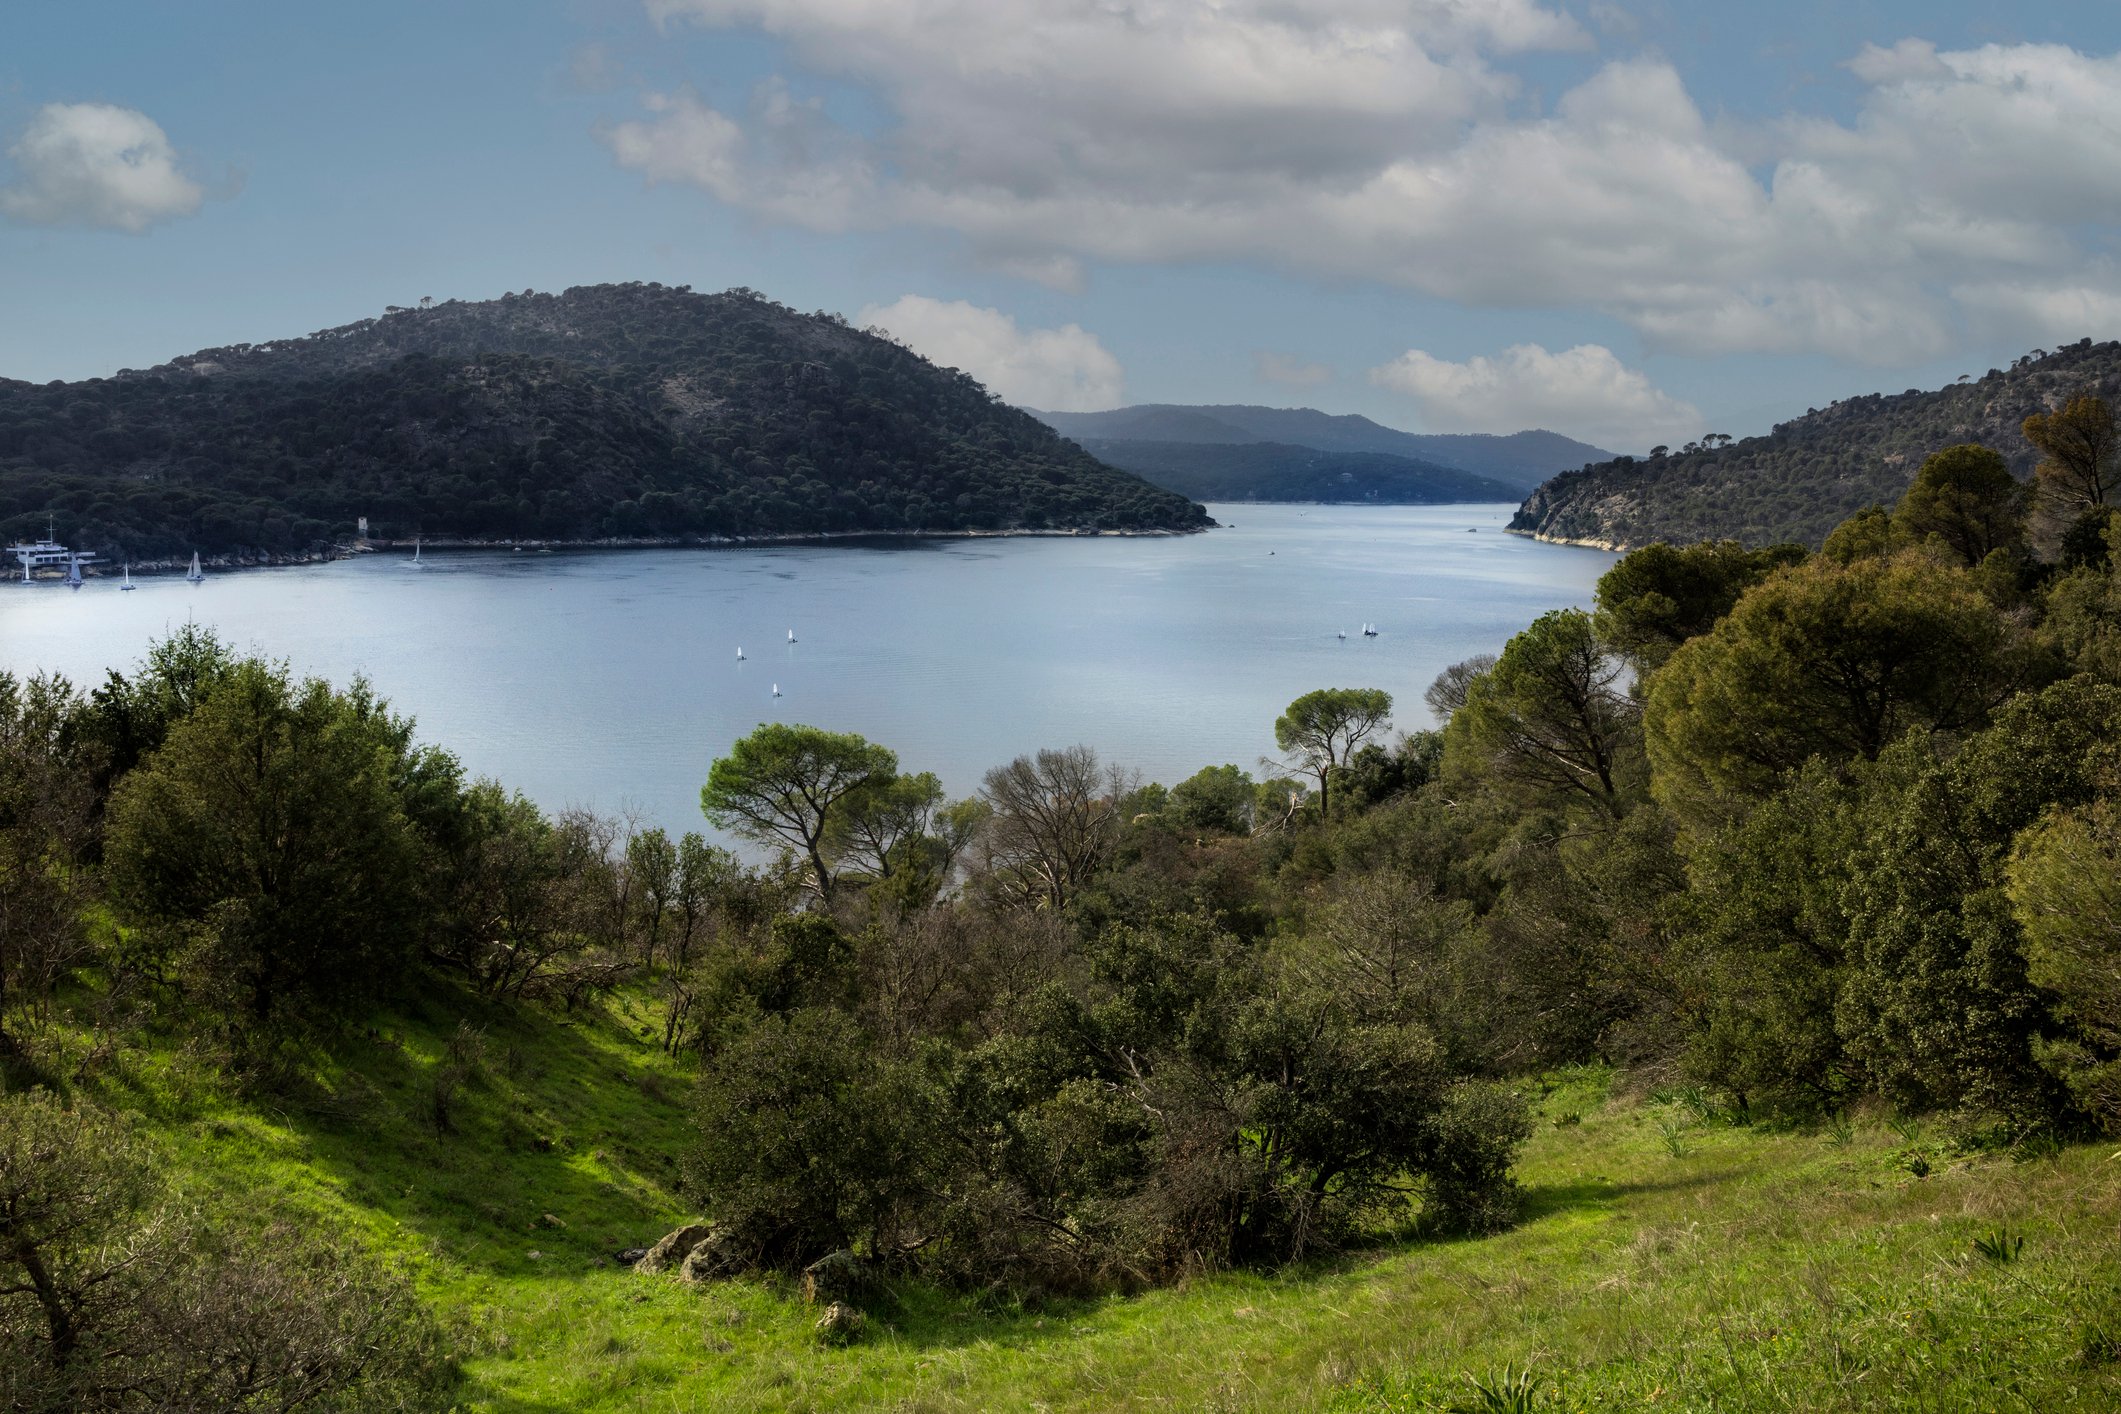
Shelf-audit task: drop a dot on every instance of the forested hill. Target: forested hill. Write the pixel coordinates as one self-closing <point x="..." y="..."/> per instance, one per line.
<point x="1520" y="461"/>
<point x="1802" y="479"/>
<point x="1277" y="471"/>
<point x="609" y="411"/>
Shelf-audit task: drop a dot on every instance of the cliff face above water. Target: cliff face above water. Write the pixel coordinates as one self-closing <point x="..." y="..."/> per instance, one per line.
<point x="606" y="412"/>
<point x="1809" y="474"/>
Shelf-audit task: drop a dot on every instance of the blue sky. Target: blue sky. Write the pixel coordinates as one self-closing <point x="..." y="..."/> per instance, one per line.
<point x="1629" y="220"/>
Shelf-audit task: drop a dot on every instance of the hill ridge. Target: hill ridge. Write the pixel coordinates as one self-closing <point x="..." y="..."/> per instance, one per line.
<point x="605" y="412"/>
<point x="1806" y="475"/>
<point x="1520" y="460"/>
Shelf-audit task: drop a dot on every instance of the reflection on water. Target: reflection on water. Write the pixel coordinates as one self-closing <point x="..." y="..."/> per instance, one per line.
<point x="611" y="679"/>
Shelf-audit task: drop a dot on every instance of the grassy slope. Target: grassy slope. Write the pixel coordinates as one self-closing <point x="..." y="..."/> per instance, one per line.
<point x="1748" y="1270"/>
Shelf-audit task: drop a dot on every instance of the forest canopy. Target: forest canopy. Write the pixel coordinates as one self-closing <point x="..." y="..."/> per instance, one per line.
<point x="607" y="412"/>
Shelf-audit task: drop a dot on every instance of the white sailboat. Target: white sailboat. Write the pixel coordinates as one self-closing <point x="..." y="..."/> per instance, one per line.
<point x="73" y="573"/>
<point x="416" y="550"/>
<point x="791" y="635"/>
<point x="197" y="575"/>
<point x="128" y="585"/>
<point x="776" y="689"/>
<point x="740" y="652"/>
<point x="1342" y="635"/>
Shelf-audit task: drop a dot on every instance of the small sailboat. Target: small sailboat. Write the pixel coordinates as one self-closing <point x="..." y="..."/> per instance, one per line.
<point x="197" y="575"/>
<point x="791" y="635"/>
<point x="776" y="689"/>
<point x="1369" y="630"/>
<point x="73" y="573"/>
<point x="1342" y="635"/>
<point x="416" y="551"/>
<point x="740" y="652"/>
<point x="128" y="586"/>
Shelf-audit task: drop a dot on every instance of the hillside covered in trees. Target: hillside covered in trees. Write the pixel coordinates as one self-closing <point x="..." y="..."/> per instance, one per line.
<point x="1277" y="471"/>
<point x="1520" y="460"/>
<point x="608" y="411"/>
<point x="1802" y="479"/>
<point x="332" y="1079"/>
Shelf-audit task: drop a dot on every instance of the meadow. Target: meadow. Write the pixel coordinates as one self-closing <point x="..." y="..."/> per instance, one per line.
<point x="1671" y="1257"/>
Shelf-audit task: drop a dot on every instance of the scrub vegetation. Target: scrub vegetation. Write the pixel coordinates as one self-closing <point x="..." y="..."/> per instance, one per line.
<point x="1716" y="1010"/>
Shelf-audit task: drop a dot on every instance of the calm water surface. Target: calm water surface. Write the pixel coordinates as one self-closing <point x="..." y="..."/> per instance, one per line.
<point x="611" y="679"/>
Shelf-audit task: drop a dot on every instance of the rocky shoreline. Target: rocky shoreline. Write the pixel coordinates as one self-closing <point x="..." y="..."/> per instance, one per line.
<point x="1612" y="546"/>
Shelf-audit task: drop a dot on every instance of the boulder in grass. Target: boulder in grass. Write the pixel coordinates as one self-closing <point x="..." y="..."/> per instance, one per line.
<point x="708" y="1260"/>
<point x="673" y="1249"/>
<point x="838" y="1278"/>
<point x="840" y="1325"/>
<point x="630" y="1257"/>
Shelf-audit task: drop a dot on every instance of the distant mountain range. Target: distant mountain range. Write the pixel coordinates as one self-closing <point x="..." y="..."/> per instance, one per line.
<point x="1517" y="462"/>
<point x="1809" y="474"/>
<point x="1276" y="471"/>
<point x="633" y="411"/>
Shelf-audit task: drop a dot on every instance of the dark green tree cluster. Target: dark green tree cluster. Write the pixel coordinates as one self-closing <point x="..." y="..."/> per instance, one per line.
<point x="1874" y="784"/>
<point x="2046" y="421"/>
<point x="1072" y="1070"/>
<point x="616" y="411"/>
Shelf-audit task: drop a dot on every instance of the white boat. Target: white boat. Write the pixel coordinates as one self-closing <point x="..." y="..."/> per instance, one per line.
<point x="776" y="689"/>
<point x="1369" y="630"/>
<point x="1343" y="634"/>
<point x="128" y="585"/>
<point x="197" y="574"/>
<point x="416" y="550"/>
<point x="791" y="635"/>
<point x="740" y="652"/>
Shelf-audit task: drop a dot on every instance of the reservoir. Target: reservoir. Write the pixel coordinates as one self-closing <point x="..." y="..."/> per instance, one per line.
<point x="610" y="679"/>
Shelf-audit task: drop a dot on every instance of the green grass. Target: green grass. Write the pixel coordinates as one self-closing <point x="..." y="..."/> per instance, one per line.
<point x="1669" y="1259"/>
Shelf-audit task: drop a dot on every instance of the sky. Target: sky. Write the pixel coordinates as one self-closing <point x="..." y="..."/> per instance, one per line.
<point x="1630" y="221"/>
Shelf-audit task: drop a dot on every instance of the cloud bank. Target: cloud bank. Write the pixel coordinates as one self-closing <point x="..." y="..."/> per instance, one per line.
<point x="1057" y="370"/>
<point x="1584" y="392"/>
<point x="93" y="164"/>
<point x="1387" y="141"/>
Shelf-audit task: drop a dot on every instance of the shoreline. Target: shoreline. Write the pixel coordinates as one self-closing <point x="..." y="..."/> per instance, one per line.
<point x="376" y="546"/>
<point x="1543" y="538"/>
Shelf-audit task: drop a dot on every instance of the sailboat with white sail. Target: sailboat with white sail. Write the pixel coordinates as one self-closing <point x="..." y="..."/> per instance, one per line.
<point x="197" y="575"/>
<point x="128" y="586"/>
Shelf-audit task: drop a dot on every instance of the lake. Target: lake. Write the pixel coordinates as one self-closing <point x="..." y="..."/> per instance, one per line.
<point x="610" y="678"/>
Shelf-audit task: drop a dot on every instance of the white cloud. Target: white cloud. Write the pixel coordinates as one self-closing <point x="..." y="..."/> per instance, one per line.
<point x="92" y="164"/>
<point x="1288" y="370"/>
<point x="1384" y="140"/>
<point x="1057" y="370"/>
<point x="1584" y="392"/>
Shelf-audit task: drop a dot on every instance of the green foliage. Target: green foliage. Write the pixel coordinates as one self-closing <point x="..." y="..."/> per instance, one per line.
<point x="1937" y="1005"/>
<point x="2064" y="883"/>
<point x="1821" y="659"/>
<point x="267" y="842"/>
<point x="1214" y="798"/>
<point x="1662" y="595"/>
<point x="113" y="1297"/>
<point x="1551" y="719"/>
<point x="628" y="410"/>
<point x="787" y="785"/>
<point x="1966" y="499"/>
<point x="805" y="1142"/>
<point x="1799" y="481"/>
<point x="1321" y="729"/>
<point x="2079" y="443"/>
<point x="2000" y="1245"/>
<point x="1507" y="1391"/>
